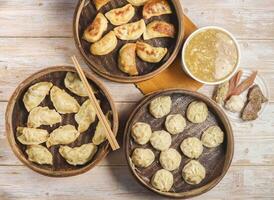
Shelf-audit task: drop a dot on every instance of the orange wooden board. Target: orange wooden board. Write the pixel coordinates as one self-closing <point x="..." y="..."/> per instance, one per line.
<point x="173" y="76"/>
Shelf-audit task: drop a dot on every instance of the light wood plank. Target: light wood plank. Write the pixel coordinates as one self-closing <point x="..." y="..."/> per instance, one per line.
<point x="239" y="183"/>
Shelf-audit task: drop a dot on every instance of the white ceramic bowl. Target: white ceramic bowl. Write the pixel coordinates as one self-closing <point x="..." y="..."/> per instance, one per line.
<point x="185" y="68"/>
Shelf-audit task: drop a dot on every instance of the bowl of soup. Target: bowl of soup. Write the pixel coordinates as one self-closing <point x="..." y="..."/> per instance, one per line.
<point x="211" y="55"/>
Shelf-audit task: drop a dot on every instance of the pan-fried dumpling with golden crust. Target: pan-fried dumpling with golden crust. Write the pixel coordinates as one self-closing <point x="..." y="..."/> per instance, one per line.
<point x="36" y="94"/>
<point x="43" y="116"/>
<point x="62" y="101"/>
<point x="100" y="135"/>
<point x="100" y="3"/>
<point x="29" y="136"/>
<point x="158" y="29"/>
<point x="137" y="2"/>
<point x="95" y="30"/>
<point x="105" y="45"/>
<point x="130" y="31"/>
<point x="121" y="15"/>
<point x="39" y="154"/>
<point x="86" y="116"/>
<point x="75" y="85"/>
<point x="62" y="135"/>
<point x="156" y="8"/>
<point x="127" y="59"/>
<point x="78" y="155"/>
<point x="149" y="53"/>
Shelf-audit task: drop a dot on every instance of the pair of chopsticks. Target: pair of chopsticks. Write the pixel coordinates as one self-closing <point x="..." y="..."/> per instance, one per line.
<point x="109" y="134"/>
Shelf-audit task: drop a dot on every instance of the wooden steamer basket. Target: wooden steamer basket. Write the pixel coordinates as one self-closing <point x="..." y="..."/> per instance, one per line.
<point x="107" y="66"/>
<point x="216" y="160"/>
<point x="16" y="115"/>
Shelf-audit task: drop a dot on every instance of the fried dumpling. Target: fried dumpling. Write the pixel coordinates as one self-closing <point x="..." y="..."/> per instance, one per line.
<point x="29" y="136"/>
<point x="105" y="45"/>
<point x="127" y="59"/>
<point x="158" y="29"/>
<point x="75" y="85"/>
<point x="156" y="8"/>
<point x="137" y="2"/>
<point x="86" y="116"/>
<point x="62" y="135"/>
<point x="43" y="116"/>
<point x="95" y="30"/>
<point x="100" y="135"/>
<point x="62" y="101"/>
<point x="149" y="53"/>
<point x="36" y="94"/>
<point x="130" y="31"/>
<point x="121" y="15"/>
<point x="78" y="155"/>
<point x="100" y="3"/>
<point x="39" y="154"/>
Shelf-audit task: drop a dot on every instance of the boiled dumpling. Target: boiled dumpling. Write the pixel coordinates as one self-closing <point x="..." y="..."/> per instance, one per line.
<point x="43" y="116"/>
<point x="63" y="135"/>
<point x="105" y="45"/>
<point x="36" y="94"/>
<point x="131" y="31"/>
<point x="75" y="85"/>
<point x="39" y="154"/>
<point x="158" y="29"/>
<point x="137" y="2"/>
<point x="100" y="134"/>
<point x="95" y="30"/>
<point x="127" y="59"/>
<point x="29" y="136"/>
<point x="156" y="8"/>
<point x="62" y="101"/>
<point x="121" y="15"/>
<point x="100" y="3"/>
<point x="149" y="53"/>
<point x="78" y="155"/>
<point x="86" y="116"/>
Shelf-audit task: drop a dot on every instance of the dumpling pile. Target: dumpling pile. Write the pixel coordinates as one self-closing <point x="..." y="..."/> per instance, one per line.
<point x="127" y="30"/>
<point x="64" y="101"/>
<point x="158" y="144"/>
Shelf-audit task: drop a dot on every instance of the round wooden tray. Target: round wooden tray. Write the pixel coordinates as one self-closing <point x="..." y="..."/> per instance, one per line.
<point x="216" y="160"/>
<point x="107" y="66"/>
<point x="16" y="115"/>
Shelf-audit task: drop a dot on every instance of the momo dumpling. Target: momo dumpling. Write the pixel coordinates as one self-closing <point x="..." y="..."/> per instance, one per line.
<point x="39" y="154"/>
<point x="78" y="155"/>
<point x="95" y="30"/>
<point x="160" y="140"/>
<point x="105" y="45"/>
<point x="36" y="94"/>
<point x="100" y="3"/>
<point x="160" y="106"/>
<point x="149" y="53"/>
<point x="29" y="136"/>
<point x="212" y="137"/>
<point x="142" y="157"/>
<point x="137" y="2"/>
<point x="127" y="59"/>
<point x="100" y="134"/>
<point x="62" y="135"/>
<point x="130" y="31"/>
<point x="86" y="116"/>
<point x="158" y="29"/>
<point x="43" y="116"/>
<point x="170" y="159"/>
<point x="75" y="85"/>
<point x="156" y="8"/>
<point x="197" y="112"/>
<point x="141" y="132"/>
<point x="62" y="101"/>
<point x="193" y="172"/>
<point x="175" y="124"/>
<point x="121" y="15"/>
<point x="192" y="147"/>
<point x="162" y="180"/>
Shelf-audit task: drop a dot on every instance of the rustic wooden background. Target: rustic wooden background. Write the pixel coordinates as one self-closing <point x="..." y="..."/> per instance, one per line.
<point x="35" y="34"/>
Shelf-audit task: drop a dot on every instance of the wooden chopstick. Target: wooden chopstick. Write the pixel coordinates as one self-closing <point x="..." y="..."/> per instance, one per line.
<point x="109" y="134"/>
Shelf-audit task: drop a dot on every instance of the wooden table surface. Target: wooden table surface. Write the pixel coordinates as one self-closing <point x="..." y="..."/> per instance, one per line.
<point x="35" y="34"/>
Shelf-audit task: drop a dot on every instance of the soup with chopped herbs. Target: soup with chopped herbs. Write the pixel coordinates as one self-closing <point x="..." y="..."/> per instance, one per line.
<point x="211" y="55"/>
